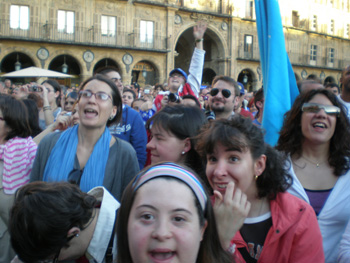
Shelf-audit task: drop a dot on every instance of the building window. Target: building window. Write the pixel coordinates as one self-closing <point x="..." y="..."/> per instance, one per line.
<point x="314" y="23"/>
<point x="331" y="27"/>
<point x="19" y="17"/>
<point x="65" y="21"/>
<point x="347" y="31"/>
<point x="146" y="32"/>
<point x="313" y="55"/>
<point x="330" y="57"/>
<point x="295" y="18"/>
<point x="108" y="25"/>
<point x="248" y="46"/>
<point x="250" y="9"/>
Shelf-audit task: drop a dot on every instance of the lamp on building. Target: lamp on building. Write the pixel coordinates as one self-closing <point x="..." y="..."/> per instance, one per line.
<point x="245" y="79"/>
<point x="144" y="73"/>
<point x="322" y="75"/>
<point x="17" y="64"/>
<point x="64" y="66"/>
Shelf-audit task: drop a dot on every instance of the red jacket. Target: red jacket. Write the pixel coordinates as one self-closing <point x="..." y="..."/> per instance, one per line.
<point x="294" y="235"/>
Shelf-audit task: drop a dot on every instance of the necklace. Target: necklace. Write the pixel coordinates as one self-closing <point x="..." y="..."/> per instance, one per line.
<point x="318" y="164"/>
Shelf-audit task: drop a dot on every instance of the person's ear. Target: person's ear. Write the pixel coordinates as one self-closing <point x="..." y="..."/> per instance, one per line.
<point x="57" y="93"/>
<point x="74" y="231"/>
<point x="260" y="165"/>
<point x="187" y="145"/>
<point x="203" y="229"/>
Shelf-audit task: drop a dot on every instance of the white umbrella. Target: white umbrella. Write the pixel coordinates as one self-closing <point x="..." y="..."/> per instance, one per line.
<point x="34" y="72"/>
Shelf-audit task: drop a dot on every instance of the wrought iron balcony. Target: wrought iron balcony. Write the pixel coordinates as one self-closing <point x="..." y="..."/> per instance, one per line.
<point x="83" y="36"/>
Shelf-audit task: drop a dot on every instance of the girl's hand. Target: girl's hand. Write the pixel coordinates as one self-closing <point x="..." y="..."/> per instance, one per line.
<point x="230" y="211"/>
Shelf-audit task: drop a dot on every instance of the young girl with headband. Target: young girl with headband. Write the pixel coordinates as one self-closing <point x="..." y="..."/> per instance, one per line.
<point x="166" y="215"/>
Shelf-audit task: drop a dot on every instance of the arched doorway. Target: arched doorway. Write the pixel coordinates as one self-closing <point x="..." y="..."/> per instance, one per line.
<point x="246" y="77"/>
<point x="68" y="65"/>
<point x="19" y="59"/>
<point x="208" y="76"/>
<point x="329" y="79"/>
<point x="214" y="52"/>
<point x="106" y="62"/>
<point x="144" y="73"/>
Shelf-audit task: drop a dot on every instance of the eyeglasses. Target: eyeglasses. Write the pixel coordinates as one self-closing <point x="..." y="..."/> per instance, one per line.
<point x="225" y="92"/>
<point x="101" y="96"/>
<point x="315" y="108"/>
<point x="74" y="176"/>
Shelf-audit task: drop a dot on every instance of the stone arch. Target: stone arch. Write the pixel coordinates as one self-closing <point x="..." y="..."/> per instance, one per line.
<point x="25" y="58"/>
<point x="214" y="45"/>
<point x="56" y="63"/>
<point x="329" y="79"/>
<point x="103" y="62"/>
<point x="145" y="72"/>
<point x="248" y="78"/>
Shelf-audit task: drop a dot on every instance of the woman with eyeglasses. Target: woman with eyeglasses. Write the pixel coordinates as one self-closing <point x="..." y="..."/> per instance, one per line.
<point x="87" y="154"/>
<point x="316" y="136"/>
<point x="70" y="100"/>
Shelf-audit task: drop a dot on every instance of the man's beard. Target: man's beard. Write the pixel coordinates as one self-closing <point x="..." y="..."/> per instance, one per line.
<point x="218" y="109"/>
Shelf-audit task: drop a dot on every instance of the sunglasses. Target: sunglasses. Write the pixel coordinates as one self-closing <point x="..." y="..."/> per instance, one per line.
<point x="69" y="102"/>
<point x="225" y="92"/>
<point x="315" y="108"/>
<point x="101" y="96"/>
<point x="74" y="176"/>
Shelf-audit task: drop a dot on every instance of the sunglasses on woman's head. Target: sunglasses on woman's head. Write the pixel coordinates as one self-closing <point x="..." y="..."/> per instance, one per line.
<point x="225" y="92"/>
<point x="315" y="108"/>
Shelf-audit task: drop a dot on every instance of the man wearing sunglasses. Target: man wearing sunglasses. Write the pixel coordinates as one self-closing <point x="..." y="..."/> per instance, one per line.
<point x="178" y="81"/>
<point x="344" y="97"/>
<point x="52" y="222"/>
<point x="223" y="97"/>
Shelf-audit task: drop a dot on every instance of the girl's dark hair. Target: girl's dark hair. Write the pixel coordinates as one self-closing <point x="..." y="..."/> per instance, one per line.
<point x="33" y="116"/>
<point x="15" y="116"/>
<point x="73" y="95"/>
<point x="291" y="137"/>
<point x="42" y="215"/>
<point x="210" y="249"/>
<point x="56" y="87"/>
<point x="116" y="98"/>
<point x="184" y="122"/>
<point x="239" y="134"/>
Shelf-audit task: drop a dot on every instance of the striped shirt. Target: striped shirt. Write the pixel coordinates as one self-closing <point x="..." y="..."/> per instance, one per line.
<point x="18" y="155"/>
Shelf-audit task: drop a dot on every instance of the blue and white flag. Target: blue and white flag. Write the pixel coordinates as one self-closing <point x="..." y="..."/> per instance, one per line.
<point x="280" y="87"/>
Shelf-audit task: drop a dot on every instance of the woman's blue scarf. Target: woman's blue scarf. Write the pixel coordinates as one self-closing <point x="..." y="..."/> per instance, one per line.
<point x="61" y="160"/>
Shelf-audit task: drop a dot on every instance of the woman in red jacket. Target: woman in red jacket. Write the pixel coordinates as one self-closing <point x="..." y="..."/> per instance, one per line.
<point x="256" y="219"/>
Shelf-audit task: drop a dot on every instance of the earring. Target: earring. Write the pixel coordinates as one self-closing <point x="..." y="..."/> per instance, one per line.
<point x="76" y="235"/>
<point x="183" y="152"/>
<point x="111" y="118"/>
<point x="256" y="177"/>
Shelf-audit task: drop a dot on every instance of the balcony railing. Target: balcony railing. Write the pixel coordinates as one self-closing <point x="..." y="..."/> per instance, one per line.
<point x="299" y="59"/>
<point x="82" y="35"/>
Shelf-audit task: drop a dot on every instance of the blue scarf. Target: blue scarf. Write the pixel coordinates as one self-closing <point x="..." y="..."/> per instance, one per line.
<point x="61" y="160"/>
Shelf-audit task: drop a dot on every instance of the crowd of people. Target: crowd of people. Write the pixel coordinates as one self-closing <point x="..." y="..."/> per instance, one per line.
<point x="178" y="172"/>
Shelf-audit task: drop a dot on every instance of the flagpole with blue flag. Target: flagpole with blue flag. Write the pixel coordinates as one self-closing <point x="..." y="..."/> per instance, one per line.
<point x="280" y="87"/>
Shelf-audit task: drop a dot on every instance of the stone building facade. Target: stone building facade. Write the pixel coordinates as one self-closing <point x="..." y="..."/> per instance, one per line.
<point x="146" y="39"/>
